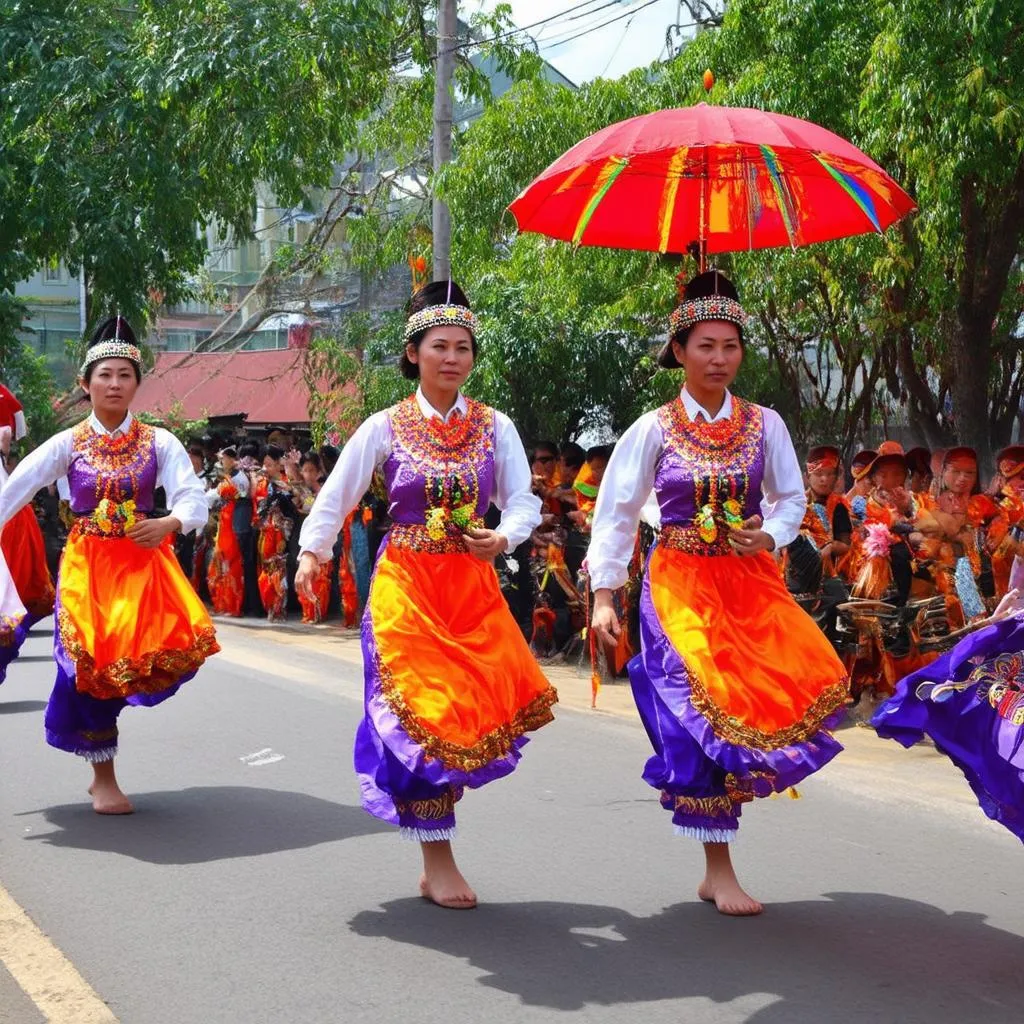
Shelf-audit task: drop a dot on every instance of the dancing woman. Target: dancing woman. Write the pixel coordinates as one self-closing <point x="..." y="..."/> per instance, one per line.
<point x="450" y="685"/>
<point x="970" y="702"/>
<point x="736" y="685"/>
<point x="129" y="628"/>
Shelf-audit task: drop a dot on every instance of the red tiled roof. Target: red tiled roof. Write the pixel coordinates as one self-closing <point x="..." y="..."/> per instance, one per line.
<point x="265" y="387"/>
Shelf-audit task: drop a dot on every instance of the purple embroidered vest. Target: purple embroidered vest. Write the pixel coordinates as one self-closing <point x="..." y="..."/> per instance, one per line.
<point x="117" y="469"/>
<point x="709" y="475"/>
<point x="439" y="476"/>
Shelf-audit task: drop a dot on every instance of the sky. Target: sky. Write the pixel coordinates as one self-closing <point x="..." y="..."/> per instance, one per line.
<point x="605" y="52"/>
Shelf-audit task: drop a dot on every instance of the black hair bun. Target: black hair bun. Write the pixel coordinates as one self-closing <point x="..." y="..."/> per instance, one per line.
<point x="437" y="294"/>
<point x="111" y="328"/>
<point x="711" y="282"/>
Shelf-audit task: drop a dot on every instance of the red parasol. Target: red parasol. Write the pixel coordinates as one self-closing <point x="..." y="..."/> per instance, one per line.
<point x="728" y="178"/>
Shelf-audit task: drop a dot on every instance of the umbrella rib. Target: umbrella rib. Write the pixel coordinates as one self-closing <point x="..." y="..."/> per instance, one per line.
<point x="613" y="167"/>
<point x="848" y="186"/>
<point x="771" y="161"/>
<point x="669" y="195"/>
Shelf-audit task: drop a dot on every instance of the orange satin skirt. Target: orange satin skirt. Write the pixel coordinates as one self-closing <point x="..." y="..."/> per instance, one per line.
<point x="128" y="617"/>
<point x="25" y="553"/>
<point x="272" y="580"/>
<point x="761" y="672"/>
<point x="453" y="665"/>
<point x="225" y="578"/>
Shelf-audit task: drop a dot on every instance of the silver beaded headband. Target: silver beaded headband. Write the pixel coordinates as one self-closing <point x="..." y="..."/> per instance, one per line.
<point x="713" y="307"/>
<point x="447" y="315"/>
<point x="111" y="349"/>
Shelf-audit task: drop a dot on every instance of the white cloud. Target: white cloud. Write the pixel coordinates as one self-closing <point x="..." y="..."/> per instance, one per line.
<point x="609" y="51"/>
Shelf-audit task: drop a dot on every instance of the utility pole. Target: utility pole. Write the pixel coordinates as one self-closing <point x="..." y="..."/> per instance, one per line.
<point x="444" y="72"/>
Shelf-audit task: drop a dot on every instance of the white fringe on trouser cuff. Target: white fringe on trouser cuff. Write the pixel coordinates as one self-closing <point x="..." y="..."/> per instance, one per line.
<point x="707" y="835"/>
<point x="428" y="835"/>
<point x="99" y="756"/>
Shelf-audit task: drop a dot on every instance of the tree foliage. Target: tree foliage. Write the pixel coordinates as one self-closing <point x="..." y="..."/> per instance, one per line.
<point x="853" y="333"/>
<point x="124" y="126"/>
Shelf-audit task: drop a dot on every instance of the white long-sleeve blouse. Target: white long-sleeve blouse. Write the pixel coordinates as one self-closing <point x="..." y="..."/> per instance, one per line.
<point x="629" y="478"/>
<point x="50" y="461"/>
<point x="370" y="446"/>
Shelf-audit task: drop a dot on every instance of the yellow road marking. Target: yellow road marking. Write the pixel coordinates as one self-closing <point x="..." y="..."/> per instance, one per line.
<point x="44" y="973"/>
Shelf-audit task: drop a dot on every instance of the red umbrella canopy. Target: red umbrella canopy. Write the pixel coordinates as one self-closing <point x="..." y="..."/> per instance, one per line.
<point x="730" y="177"/>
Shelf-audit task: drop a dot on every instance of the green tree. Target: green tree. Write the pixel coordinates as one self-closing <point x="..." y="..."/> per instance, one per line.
<point x="855" y="330"/>
<point x="945" y="82"/>
<point x="124" y="126"/>
<point x="26" y="374"/>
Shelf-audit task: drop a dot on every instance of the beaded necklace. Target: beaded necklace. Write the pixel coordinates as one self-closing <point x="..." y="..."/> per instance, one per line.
<point x="118" y="461"/>
<point x="720" y="455"/>
<point x="447" y="453"/>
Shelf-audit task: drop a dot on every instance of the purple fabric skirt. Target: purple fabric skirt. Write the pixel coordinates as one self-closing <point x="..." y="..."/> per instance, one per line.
<point x="690" y="759"/>
<point x="970" y="702"/>
<point x="392" y="767"/>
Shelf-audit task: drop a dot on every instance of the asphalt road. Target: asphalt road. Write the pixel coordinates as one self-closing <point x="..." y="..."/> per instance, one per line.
<point x="250" y="887"/>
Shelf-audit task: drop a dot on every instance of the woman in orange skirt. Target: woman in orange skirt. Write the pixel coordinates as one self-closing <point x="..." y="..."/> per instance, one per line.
<point x="304" y="494"/>
<point x="225" y="577"/>
<point x="129" y="627"/>
<point x="450" y="685"/>
<point x="276" y="513"/>
<point x="736" y="685"/>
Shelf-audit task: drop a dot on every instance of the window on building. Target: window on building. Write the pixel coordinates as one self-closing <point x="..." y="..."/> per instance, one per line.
<point x="51" y="272"/>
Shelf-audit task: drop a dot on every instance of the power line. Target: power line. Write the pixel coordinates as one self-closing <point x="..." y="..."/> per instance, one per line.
<point x="576" y="17"/>
<point x="611" y="21"/>
<point x="610" y="3"/>
<point x="618" y="46"/>
<point x="532" y="25"/>
<point x="561" y="32"/>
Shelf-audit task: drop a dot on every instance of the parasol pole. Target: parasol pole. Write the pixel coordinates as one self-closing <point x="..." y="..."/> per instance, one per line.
<point x="703" y="240"/>
<point x="709" y="83"/>
<point x="447" y="38"/>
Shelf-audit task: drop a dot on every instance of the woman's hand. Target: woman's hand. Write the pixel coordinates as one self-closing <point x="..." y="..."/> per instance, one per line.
<point x="604" y="622"/>
<point x="149" y="533"/>
<point x="309" y="567"/>
<point x="750" y="542"/>
<point x="485" y="544"/>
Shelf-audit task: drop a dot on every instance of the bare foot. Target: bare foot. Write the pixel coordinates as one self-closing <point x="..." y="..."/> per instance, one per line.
<point x="728" y="896"/>
<point x="107" y="798"/>
<point x="447" y="888"/>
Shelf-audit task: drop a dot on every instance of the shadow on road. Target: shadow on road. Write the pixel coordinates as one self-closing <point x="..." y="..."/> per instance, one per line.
<point x="22" y="658"/>
<point x="208" y="823"/>
<point x="19" y="707"/>
<point x="850" y="957"/>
